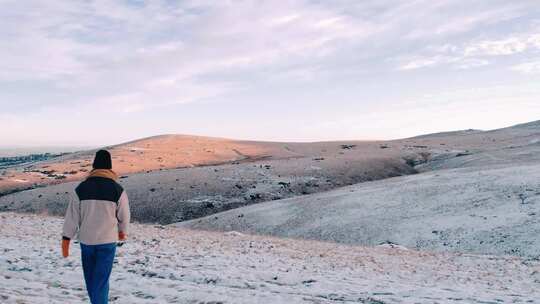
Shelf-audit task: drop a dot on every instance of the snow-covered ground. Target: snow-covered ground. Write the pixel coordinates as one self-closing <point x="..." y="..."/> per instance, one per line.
<point x="172" y="265"/>
<point x="479" y="210"/>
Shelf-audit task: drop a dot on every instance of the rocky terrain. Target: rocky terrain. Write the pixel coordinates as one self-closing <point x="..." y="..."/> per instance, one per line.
<point x="171" y="265"/>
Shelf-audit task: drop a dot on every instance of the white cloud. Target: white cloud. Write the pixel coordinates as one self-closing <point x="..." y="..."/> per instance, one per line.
<point x="456" y="61"/>
<point x="471" y="54"/>
<point x="532" y="67"/>
<point x="283" y="20"/>
<point x="115" y="48"/>
<point x="85" y="44"/>
<point x="434" y="18"/>
<point x="509" y="46"/>
<point x="534" y="40"/>
<point x="130" y="57"/>
<point x="472" y="63"/>
<point x="423" y="62"/>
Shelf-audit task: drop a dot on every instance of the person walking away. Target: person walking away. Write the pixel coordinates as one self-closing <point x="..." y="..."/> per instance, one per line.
<point x="100" y="216"/>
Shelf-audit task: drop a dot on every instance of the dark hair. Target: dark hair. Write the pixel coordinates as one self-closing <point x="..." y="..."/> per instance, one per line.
<point x="102" y="160"/>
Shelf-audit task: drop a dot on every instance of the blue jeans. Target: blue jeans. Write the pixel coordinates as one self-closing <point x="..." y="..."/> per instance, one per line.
<point x="97" y="262"/>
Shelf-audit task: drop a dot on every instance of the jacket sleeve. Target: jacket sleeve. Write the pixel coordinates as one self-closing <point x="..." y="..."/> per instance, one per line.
<point x="71" y="219"/>
<point x="122" y="213"/>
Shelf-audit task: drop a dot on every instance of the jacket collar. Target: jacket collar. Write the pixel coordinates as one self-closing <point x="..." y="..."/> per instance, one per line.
<point x="106" y="173"/>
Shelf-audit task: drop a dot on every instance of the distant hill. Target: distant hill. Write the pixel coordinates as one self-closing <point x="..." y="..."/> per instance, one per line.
<point x="532" y="124"/>
<point x="173" y="178"/>
<point x="449" y="133"/>
<point x="148" y="154"/>
<point x="24" y="151"/>
<point x="478" y="192"/>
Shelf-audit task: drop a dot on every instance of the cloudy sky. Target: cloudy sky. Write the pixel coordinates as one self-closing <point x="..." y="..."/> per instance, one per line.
<point x="102" y="72"/>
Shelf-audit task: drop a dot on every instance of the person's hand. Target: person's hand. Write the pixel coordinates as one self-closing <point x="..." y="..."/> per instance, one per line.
<point x="122" y="236"/>
<point x="65" y="248"/>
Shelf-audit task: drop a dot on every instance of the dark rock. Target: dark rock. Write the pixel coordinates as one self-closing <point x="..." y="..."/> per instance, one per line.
<point x="255" y="196"/>
<point x="284" y="184"/>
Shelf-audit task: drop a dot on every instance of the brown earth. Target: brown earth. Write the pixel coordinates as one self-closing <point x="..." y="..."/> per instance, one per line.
<point x="149" y="154"/>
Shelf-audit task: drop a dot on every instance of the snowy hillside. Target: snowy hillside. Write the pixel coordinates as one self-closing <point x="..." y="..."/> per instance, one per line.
<point x="481" y="211"/>
<point x="172" y="265"/>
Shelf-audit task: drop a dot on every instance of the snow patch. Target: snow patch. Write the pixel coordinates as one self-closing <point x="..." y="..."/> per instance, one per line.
<point x="185" y="266"/>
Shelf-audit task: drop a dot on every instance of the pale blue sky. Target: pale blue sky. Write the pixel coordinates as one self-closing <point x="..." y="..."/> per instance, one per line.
<point x="103" y="72"/>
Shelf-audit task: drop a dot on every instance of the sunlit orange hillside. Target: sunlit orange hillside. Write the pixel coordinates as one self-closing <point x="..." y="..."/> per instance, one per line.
<point x="149" y="154"/>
